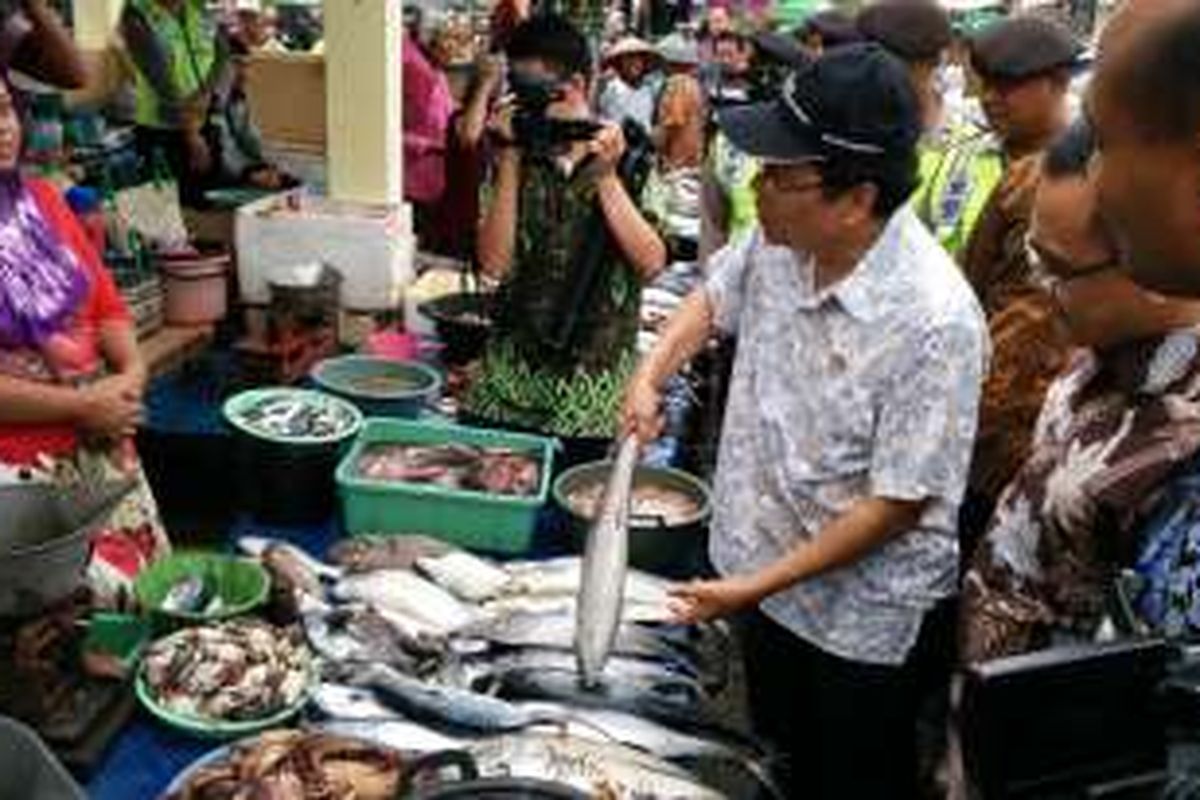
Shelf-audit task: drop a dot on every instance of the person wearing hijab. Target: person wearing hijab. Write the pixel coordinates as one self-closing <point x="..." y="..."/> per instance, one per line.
<point x="71" y="377"/>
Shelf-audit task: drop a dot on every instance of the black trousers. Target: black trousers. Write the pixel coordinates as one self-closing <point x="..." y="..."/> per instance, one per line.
<point x="843" y="730"/>
<point x="170" y="146"/>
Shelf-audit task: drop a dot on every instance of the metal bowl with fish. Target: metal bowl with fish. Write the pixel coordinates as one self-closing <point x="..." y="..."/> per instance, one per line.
<point x="226" y="680"/>
<point x="292" y="763"/>
<point x="668" y="518"/>
<point x="380" y="387"/>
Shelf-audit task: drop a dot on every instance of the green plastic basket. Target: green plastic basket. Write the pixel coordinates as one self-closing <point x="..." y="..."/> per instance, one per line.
<point x="208" y="728"/>
<point x="475" y="520"/>
<point x="242" y="585"/>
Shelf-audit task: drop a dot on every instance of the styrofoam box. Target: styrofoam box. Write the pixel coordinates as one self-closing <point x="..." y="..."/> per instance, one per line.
<point x="371" y="246"/>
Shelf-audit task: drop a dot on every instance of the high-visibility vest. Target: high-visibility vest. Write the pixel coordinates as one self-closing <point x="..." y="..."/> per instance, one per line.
<point x="735" y="173"/>
<point x="957" y="178"/>
<point x="189" y="45"/>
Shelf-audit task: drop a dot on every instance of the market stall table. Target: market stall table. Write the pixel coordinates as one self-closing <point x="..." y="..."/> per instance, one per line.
<point x="172" y="346"/>
<point x="146" y="756"/>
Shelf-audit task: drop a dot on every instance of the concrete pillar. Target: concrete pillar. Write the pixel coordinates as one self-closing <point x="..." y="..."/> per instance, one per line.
<point x="95" y="22"/>
<point x="363" y="100"/>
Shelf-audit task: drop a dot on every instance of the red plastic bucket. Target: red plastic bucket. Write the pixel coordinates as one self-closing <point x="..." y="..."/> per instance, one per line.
<point x="196" y="291"/>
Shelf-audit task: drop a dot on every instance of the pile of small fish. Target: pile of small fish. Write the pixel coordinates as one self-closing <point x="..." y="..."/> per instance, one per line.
<point x="239" y="670"/>
<point x="192" y="594"/>
<point x="385" y="384"/>
<point x="424" y="647"/>
<point x="291" y="415"/>
<point x="648" y="501"/>
<point x="297" y="765"/>
<point x="454" y="466"/>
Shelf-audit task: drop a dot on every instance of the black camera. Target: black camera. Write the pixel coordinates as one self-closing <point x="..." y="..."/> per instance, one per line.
<point x="533" y="130"/>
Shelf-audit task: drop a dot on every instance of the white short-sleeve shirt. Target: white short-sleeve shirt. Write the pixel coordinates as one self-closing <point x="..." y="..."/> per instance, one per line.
<point x="868" y="388"/>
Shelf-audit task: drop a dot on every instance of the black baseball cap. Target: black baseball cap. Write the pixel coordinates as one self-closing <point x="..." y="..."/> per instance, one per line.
<point x="855" y="101"/>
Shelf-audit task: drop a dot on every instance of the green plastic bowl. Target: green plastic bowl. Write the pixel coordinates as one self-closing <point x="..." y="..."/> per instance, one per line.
<point x="122" y="636"/>
<point x="208" y="728"/>
<point x="242" y="585"/>
<point x="237" y="405"/>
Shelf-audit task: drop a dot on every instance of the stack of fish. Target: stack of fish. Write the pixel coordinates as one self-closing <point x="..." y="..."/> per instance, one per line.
<point x="298" y="416"/>
<point x="454" y="466"/>
<point x="425" y="647"/>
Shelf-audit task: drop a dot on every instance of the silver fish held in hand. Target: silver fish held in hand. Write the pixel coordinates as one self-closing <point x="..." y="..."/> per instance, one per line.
<point x="605" y="562"/>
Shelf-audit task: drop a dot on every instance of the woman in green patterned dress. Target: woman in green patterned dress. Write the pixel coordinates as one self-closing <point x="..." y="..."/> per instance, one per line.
<point x="572" y="249"/>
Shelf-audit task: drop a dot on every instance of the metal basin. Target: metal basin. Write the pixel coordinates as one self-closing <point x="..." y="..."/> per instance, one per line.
<point x="675" y="550"/>
<point x="44" y="541"/>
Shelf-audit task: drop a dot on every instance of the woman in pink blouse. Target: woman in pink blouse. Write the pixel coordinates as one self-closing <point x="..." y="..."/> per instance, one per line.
<point x="428" y="106"/>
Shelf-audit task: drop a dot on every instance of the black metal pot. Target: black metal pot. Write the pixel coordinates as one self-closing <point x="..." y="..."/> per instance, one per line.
<point x="469" y="786"/>
<point x="463" y="322"/>
<point x="674" y="550"/>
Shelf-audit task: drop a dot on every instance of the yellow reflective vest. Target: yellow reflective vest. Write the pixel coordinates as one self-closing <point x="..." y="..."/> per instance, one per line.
<point x="188" y="47"/>
<point x="958" y="175"/>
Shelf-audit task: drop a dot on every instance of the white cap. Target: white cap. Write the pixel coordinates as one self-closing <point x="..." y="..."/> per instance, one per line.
<point x="248" y="5"/>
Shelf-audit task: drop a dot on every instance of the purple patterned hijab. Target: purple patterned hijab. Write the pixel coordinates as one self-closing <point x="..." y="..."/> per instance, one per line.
<point x="42" y="283"/>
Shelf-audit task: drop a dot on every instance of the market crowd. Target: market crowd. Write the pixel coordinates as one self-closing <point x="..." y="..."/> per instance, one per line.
<point x="956" y="262"/>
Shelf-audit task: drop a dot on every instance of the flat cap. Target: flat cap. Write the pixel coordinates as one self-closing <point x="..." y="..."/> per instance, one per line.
<point x="912" y="30"/>
<point x="835" y="28"/>
<point x="779" y="48"/>
<point x="630" y="46"/>
<point x="1023" y="47"/>
<point x="676" y="48"/>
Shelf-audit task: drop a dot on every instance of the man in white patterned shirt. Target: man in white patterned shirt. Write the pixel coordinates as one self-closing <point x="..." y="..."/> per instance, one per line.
<point x="849" y="428"/>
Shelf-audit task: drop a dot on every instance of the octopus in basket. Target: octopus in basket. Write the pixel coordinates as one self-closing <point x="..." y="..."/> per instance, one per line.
<point x="297" y="765"/>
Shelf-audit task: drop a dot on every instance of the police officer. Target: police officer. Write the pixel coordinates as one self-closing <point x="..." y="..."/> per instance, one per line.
<point x="1024" y="66"/>
<point x="1023" y="69"/>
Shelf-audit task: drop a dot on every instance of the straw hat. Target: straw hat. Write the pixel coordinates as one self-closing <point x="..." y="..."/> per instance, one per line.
<point x="630" y="46"/>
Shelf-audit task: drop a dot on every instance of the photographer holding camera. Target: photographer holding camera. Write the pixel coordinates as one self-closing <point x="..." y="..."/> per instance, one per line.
<point x="563" y="231"/>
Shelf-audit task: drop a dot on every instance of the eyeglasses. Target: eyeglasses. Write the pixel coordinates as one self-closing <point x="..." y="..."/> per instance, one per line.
<point x="780" y="182"/>
<point x="1049" y="271"/>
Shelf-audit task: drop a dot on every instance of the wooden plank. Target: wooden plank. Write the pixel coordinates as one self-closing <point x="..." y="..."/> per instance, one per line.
<point x="171" y="346"/>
